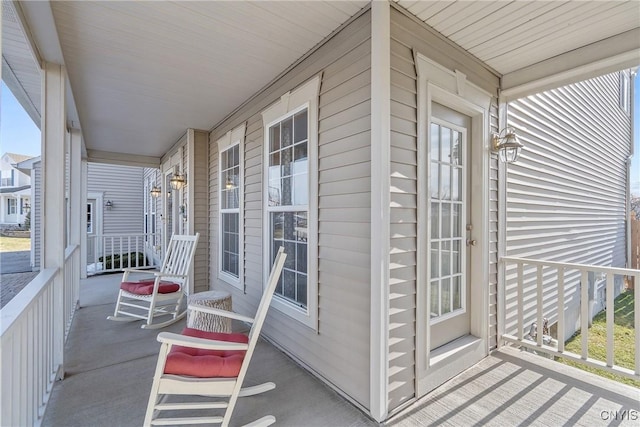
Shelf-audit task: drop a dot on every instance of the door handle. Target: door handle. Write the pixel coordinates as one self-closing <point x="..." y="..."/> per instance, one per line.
<point x="471" y="242"/>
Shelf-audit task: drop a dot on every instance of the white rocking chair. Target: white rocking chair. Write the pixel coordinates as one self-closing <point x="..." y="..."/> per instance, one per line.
<point x="209" y="364"/>
<point x="161" y="295"/>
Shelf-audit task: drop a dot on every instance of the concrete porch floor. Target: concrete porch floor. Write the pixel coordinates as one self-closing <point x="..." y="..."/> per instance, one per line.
<point x="109" y="367"/>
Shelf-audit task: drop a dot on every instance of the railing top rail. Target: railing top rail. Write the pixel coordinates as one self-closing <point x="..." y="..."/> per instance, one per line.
<point x="70" y="250"/>
<point x="604" y="269"/>
<point x="14" y="308"/>
<point x="122" y="234"/>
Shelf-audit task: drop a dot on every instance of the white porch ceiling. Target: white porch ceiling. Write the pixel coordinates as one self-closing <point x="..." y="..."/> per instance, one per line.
<point x="511" y="35"/>
<point x="143" y="72"/>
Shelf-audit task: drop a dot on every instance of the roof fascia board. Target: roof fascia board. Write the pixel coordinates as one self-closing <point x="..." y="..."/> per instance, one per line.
<point x="26" y="30"/>
<point x="605" y="56"/>
<point x="98" y="156"/>
<point x="19" y="92"/>
<point x="36" y="19"/>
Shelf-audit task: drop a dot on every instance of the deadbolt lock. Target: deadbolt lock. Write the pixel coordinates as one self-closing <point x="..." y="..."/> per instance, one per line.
<point x="469" y="227"/>
<point x="471" y="242"/>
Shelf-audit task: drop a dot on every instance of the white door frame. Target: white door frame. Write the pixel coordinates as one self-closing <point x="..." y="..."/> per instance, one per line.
<point x="451" y="89"/>
<point x="98" y="222"/>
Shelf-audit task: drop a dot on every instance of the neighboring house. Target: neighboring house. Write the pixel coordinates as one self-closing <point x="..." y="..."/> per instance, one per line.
<point x="15" y="194"/>
<point x="567" y="196"/>
<point x="114" y="208"/>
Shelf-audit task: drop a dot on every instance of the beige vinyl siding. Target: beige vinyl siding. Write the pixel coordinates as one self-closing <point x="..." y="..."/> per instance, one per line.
<point x="339" y="351"/>
<point x="408" y="35"/>
<point x="494" y="234"/>
<point x="566" y="197"/>
<point x="200" y="187"/>
<point x="36" y="211"/>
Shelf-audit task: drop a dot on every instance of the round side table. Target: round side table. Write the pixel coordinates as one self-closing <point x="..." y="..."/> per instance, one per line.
<point x="210" y="322"/>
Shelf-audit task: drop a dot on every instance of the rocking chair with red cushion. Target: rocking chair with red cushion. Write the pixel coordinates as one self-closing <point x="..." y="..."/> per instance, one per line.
<point x="209" y="364"/>
<point x="162" y="294"/>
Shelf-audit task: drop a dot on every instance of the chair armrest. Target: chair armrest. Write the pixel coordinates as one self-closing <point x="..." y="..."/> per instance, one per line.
<point x="135" y="270"/>
<point x="161" y="274"/>
<point x="219" y="312"/>
<point x="186" y="341"/>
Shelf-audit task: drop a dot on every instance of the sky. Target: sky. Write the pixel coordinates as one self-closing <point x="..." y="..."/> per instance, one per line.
<point x="18" y="133"/>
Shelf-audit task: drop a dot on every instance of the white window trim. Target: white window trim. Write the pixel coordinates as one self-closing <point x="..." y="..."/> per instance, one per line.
<point x="305" y="96"/>
<point x="10" y="205"/>
<point x="229" y="140"/>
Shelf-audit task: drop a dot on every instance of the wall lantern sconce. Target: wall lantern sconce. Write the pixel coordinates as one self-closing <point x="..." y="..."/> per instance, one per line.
<point x="229" y="183"/>
<point x="507" y="145"/>
<point x="26" y="207"/>
<point x="109" y="205"/>
<point x="177" y="181"/>
<point x="155" y="192"/>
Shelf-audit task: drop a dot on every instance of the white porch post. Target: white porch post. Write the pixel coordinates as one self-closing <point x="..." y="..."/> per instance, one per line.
<point x="2" y="209"/>
<point x="53" y="195"/>
<point x="75" y="199"/>
<point x="83" y="219"/>
<point x="380" y="212"/>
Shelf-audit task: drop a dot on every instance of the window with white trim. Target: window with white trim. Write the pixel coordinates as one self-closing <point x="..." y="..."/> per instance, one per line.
<point x="290" y="199"/>
<point x="230" y="195"/>
<point x="11" y="206"/>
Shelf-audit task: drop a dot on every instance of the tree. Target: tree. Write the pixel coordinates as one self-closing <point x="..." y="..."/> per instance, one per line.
<point x="635" y="205"/>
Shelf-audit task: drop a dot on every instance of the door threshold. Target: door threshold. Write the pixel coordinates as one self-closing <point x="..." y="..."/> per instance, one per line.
<point x="458" y="345"/>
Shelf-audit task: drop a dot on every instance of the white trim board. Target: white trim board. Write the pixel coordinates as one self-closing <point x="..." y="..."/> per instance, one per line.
<point x="606" y="56"/>
<point x="380" y="207"/>
<point x="451" y="89"/>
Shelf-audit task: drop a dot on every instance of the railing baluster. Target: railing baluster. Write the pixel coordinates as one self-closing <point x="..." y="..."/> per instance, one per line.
<point x="560" y="326"/>
<point x="540" y="303"/>
<point x="584" y="314"/>
<point x="520" y="302"/>
<point x="610" y="321"/>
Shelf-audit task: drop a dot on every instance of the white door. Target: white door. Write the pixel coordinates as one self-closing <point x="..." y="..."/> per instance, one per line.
<point x="449" y="342"/>
<point x="91" y="231"/>
<point x="448" y="210"/>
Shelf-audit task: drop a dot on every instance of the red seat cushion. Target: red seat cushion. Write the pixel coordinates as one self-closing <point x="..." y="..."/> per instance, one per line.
<point x="145" y="287"/>
<point x="201" y="363"/>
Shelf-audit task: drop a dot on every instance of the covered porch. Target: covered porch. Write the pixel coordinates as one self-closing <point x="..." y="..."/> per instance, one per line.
<point x="108" y="83"/>
<point x="110" y="367"/>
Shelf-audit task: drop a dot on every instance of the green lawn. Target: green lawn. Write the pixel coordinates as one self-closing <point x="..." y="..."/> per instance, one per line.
<point x="12" y="244"/>
<point x="623" y="339"/>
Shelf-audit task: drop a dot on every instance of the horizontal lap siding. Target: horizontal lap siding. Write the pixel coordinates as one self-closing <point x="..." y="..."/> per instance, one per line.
<point x="123" y="185"/>
<point x="339" y="352"/>
<point x="494" y="235"/>
<point x="36" y="210"/>
<point x="566" y="197"/>
<point x="200" y="176"/>
<point x="407" y="35"/>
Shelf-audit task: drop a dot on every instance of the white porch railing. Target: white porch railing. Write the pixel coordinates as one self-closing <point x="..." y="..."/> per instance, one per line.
<point x="34" y="326"/>
<point x="544" y="291"/>
<point x="114" y="252"/>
